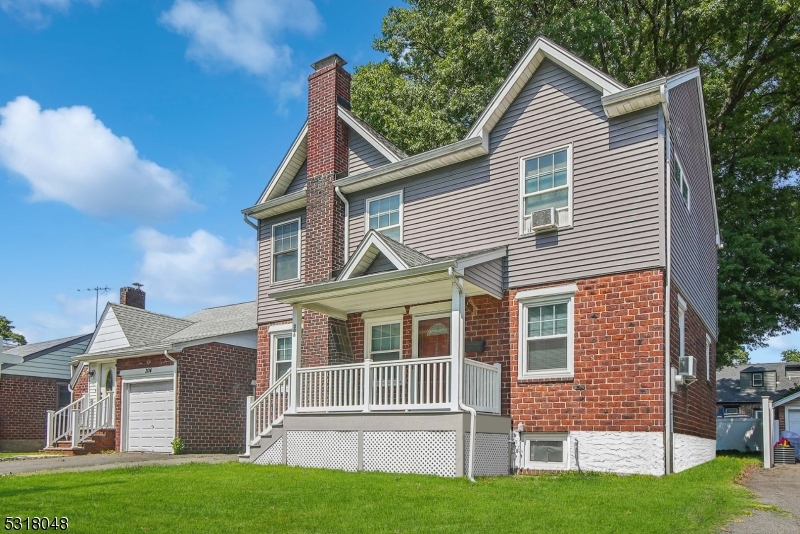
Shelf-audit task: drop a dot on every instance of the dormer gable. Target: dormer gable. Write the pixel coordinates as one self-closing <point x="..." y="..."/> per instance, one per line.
<point x="377" y="253"/>
<point x="108" y="334"/>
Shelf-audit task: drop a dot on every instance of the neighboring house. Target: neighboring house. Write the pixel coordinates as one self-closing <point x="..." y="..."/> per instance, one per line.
<point x="741" y="387"/>
<point x="526" y="272"/>
<point x="34" y="378"/>
<point x="147" y="378"/>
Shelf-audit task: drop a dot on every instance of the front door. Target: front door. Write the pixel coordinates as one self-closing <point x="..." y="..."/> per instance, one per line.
<point x="107" y="380"/>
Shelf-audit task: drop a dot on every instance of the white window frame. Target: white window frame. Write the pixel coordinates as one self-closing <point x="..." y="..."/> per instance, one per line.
<point x="758" y="414"/>
<point x="527" y="438"/>
<point x="726" y="412"/>
<point x="415" y="328"/>
<point x="569" y="185"/>
<point x="380" y="321"/>
<point x="687" y="201"/>
<point x="381" y="197"/>
<point x="299" y="251"/>
<point x="681" y="326"/>
<point x="708" y="358"/>
<point x="753" y="380"/>
<point x="543" y="297"/>
<point x="273" y="351"/>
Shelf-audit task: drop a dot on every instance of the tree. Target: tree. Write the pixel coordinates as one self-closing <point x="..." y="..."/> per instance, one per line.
<point x="7" y="332"/>
<point x="446" y="58"/>
<point x="791" y="355"/>
<point x="739" y="356"/>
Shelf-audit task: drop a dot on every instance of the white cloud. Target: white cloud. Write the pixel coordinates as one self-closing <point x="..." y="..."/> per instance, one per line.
<point x="241" y="33"/>
<point x="776" y="345"/>
<point x="201" y="269"/>
<point x="38" y="12"/>
<point x="69" y="155"/>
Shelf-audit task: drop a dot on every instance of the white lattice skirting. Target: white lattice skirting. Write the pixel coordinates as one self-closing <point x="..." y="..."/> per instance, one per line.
<point x="324" y="449"/>
<point x="491" y="454"/>
<point x="424" y="453"/>
<point x="273" y="455"/>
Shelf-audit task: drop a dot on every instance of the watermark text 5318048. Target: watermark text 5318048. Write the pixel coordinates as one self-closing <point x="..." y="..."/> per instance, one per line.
<point x="37" y="523"/>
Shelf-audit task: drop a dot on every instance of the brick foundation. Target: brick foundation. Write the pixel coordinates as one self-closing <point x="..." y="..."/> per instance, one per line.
<point x="24" y="401"/>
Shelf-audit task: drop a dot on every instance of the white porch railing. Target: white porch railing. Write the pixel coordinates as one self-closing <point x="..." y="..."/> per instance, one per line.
<point x="267" y="410"/>
<point x="420" y="383"/>
<point x="482" y="386"/>
<point x="80" y="420"/>
<point x="331" y="388"/>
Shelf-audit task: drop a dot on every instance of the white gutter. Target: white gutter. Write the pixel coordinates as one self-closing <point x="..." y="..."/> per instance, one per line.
<point x="174" y="386"/>
<point x="249" y="222"/>
<point x="346" y="223"/>
<point x="473" y="414"/>
<point x="667" y="291"/>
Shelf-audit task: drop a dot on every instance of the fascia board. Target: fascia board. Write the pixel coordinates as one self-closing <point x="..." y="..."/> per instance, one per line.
<point x="540" y="49"/>
<point x="277" y="206"/>
<point x="290" y="155"/>
<point x="347" y="117"/>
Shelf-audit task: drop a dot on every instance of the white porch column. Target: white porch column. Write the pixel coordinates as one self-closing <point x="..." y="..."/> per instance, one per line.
<point x="297" y="336"/>
<point x="456" y="343"/>
<point x="767" y="416"/>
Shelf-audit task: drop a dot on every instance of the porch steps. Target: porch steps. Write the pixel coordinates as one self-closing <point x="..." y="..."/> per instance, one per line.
<point x="102" y="440"/>
<point x="263" y="445"/>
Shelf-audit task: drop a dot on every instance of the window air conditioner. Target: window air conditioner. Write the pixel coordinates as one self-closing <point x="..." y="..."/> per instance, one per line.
<point x="541" y="221"/>
<point x="687" y="366"/>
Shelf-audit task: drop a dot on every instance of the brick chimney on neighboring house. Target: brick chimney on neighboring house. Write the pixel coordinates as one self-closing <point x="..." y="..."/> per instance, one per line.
<point x="327" y="156"/>
<point x="132" y="296"/>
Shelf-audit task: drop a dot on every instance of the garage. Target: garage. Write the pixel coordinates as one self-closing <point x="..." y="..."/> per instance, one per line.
<point x="793" y="419"/>
<point x="150" y="419"/>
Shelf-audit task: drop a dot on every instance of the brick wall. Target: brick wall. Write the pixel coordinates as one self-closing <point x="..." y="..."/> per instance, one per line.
<point x="24" y="401"/>
<point x="487" y="319"/>
<point x="693" y="406"/>
<point x="81" y="387"/>
<point x="214" y="381"/>
<point x="618" y="383"/>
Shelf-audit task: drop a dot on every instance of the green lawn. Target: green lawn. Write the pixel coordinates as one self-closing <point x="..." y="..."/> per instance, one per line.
<point x="248" y="498"/>
<point x="11" y="454"/>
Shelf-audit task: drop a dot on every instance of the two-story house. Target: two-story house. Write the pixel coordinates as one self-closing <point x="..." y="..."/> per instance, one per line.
<point x="515" y="301"/>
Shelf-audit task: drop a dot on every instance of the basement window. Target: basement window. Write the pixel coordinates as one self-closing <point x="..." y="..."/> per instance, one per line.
<point x="546" y="450"/>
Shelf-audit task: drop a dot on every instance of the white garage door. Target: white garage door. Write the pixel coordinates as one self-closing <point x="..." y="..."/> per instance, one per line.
<point x="151" y="416"/>
<point x="793" y="420"/>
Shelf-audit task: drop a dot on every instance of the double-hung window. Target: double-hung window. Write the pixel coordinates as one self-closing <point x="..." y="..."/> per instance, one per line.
<point x="281" y="355"/>
<point x="384" y="340"/>
<point x="758" y="380"/>
<point x="546" y="181"/>
<point x="385" y="215"/>
<point x="546" y="333"/>
<point x="286" y="251"/>
<point x="681" y="181"/>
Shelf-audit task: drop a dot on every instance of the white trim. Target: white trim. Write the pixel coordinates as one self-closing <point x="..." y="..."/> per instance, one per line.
<point x="376" y="143"/>
<point x="415" y="328"/>
<point x="287" y="159"/>
<point x="383" y="313"/>
<point x="280" y="328"/>
<point x="786" y="415"/>
<point x="378" y="321"/>
<point x="753" y="380"/>
<point x="273" y="352"/>
<point x="436" y="307"/>
<point x="787" y="400"/>
<point x="299" y="222"/>
<point x="524" y="70"/>
<point x="544" y="300"/>
<point x="569" y="148"/>
<point x="124" y="408"/>
<point x="546" y="292"/>
<point x="564" y="437"/>
<point x="471" y="261"/>
<point x="683" y="179"/>
<point x="371" y="240"/>
<point x="148" y="374"/>
<point x="381" y="197"/>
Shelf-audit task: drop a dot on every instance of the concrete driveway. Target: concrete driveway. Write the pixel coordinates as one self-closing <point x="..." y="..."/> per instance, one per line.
<point x="96" y="462"/>
<point x="780" y="487"/>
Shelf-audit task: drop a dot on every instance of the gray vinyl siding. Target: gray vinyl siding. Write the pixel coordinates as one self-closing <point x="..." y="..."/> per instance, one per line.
<point x="618" y="195"/>
<point x="363" y="156"/>
<point x="270" y="310"/>
<point x="770" y="381"/>
<point x="299" y="180"/>
<point x="380" y="264"/>
<point x="693" y="241"/>
<point x="487" y="275"/>
<point x="54" y="364"/>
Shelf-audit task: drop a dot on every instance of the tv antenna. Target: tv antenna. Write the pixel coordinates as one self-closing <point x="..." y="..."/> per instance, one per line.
<point x="97" y="290"/>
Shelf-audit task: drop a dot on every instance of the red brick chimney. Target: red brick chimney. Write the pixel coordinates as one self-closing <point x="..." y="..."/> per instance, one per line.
<point x="327" y="143"/>
<point x="132" y="296"/>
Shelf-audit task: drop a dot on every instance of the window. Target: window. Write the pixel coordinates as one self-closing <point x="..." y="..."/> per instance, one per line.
<point x="546" y="184"/>
<point x="431" y="335"/>
<point x="384" y="339"/>
<point x="681" y="181"/>
<point x="546" y="333"/>
<point x="731" y="410"/>
<point x="546" y="451"/>
<point x="681" y="326"/>
<point x="758" y="380"/>
<point x="758" y="414"/>
<point x="286" y="251"/>
<point x="708" y="358"/>
<point x="281" y="355"/>
<point x="64" y="396"/>
<point x="793" y="371"/>
<point x="385" y="214"/>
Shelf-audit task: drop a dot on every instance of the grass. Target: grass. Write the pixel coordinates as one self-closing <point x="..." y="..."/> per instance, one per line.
<point x="248" y="498"/>
<point x="12" y="454"/>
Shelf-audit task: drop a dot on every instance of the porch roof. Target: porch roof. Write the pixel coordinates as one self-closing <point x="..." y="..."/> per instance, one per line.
<point x="429" y="282"/>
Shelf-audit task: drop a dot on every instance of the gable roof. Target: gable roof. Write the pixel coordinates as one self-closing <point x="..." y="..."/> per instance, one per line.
<point x="381" y="144"/>
<point x="150" y="332"/>
<point x="288" y="168"/>
<point x="728" y="382"/>
<point x="32" y="350"/>
<point x="375" y="243"/>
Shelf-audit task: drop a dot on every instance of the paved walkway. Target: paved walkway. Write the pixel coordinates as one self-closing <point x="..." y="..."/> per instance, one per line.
<point x="97" y="462"/>
<point x="780" y="487"/>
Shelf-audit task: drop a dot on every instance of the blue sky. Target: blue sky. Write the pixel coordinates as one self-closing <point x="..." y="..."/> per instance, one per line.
<point x="132" y="133"/>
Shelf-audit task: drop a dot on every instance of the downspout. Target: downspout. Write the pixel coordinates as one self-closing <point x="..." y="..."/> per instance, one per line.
<point x="175" y="384"/>
<point x="250" y="223"/>
<point x="346" y="223"/>
<point x="668" y="434"/>
<point x="472" y="413"/>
